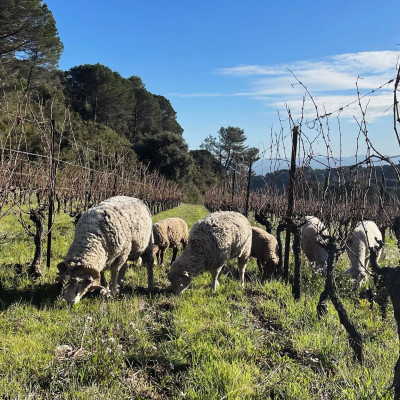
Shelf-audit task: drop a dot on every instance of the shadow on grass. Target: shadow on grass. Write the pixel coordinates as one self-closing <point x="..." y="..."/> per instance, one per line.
<point x="143" y="291"/>
<point x="19" y="287"/>
<point x="38" y="295"/>
<point x="45" y="294"/>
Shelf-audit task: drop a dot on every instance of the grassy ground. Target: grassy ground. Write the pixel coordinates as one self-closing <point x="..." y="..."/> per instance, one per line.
<point x="251" y="343"/>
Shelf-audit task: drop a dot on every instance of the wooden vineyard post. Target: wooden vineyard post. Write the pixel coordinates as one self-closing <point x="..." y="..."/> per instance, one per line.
<point x="246" y="211"/>
<point x="52" y="169"/>
<point x="290" y="208"/>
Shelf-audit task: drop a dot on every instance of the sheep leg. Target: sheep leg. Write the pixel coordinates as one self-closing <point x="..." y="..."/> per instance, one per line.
<point x="121" y="275"/>
<point x="103" y="280"/>
<point x="115" y="268"/>
<point x="174" y="254"/>
<point x="242" y="264"/>
<point x="158" y="257"/>
<point x="215" y="274"/>
<point x="260" y="267"/>
<point x="148" y="260"/>
<point x="161" y="257"/>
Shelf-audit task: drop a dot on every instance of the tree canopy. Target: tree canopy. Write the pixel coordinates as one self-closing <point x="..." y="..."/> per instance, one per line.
<point x="109" y="112"/>
<point x="28" y="37"/>
<point x="165" y="151"/>
<point x="228" y="147"/>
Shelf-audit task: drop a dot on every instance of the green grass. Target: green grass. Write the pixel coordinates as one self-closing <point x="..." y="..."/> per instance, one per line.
<point x="251" y="343"/>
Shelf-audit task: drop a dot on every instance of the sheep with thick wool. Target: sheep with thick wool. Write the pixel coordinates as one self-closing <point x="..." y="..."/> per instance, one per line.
<point x="366" y="234"/>
<point x="264" y="247"/>
<point x="106" y="237"/>
<point x="213" y="241"/>
<point x="170" y="232"/>
<point x="314" y="241"/>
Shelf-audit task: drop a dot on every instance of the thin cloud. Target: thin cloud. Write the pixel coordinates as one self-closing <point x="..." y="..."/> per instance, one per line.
<point x="186" y="95"/>
<point x="332" y="81"/>
<point x="355" y="63"/>
<point x="250" y="70"/>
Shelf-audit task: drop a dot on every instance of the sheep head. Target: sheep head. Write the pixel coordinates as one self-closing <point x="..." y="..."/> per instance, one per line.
<point x="271" y="268"/>
<point x="77" y="281"/>
<point x="179" y="279"/>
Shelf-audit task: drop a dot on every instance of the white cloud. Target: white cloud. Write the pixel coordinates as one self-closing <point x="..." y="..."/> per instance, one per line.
<point x="332" y="81"/>
<point x="354" y="63"/>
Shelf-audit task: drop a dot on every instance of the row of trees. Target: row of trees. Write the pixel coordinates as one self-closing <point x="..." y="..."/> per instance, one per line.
<point x="103" y="107"/>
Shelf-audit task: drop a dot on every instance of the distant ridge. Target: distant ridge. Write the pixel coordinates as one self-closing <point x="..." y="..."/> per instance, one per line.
<point x="266" y="165"/>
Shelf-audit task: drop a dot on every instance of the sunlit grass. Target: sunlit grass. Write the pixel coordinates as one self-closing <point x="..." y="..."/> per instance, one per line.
<point x="251" y="343"/>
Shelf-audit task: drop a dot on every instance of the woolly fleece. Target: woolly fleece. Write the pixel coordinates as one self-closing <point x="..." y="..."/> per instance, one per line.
<point x="311" y="242"/>
<point x="106" y="236"/>
<point x="213" y="241"/>
<point x="264" y="248"/>
<point x="169" y="232"/>
<point x="364" y="236"/>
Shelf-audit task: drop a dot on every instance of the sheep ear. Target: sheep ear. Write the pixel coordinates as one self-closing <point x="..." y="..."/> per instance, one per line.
<point x="62" y="268"/>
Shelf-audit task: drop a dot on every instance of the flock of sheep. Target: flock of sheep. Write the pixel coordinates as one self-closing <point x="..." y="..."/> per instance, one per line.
<point x="120" y="229"/>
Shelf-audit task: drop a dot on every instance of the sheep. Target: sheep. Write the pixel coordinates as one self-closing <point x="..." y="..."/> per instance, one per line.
<point x="169" y="232"/>
<point x="313" y="242"/>
<point x="213" y="241"/>
<point x="264" y="248"/>
<point x="365" y="235"/>
<point x="107" y="236"/>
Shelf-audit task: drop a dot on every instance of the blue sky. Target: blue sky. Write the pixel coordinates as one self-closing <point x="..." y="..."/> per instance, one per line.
<point x="224" y="63"/>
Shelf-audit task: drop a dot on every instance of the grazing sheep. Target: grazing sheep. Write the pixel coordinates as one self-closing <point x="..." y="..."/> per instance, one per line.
<point x="365" y="235"/>
<point x="264" y="247"/>
<point x="213" y="241"/>
<point x="313" y="242"/>
<point x="169" y="232"/>
<point x="107" y="236"/>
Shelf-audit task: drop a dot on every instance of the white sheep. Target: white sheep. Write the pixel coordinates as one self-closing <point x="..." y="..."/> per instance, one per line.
<point x="264" y="248"/>
<point x="213" y="241"/>
<point x="169" y="232"/>
<point x="106" y="237"/>
<point x="365" y="235"/>
<point x="313" y="242"/>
